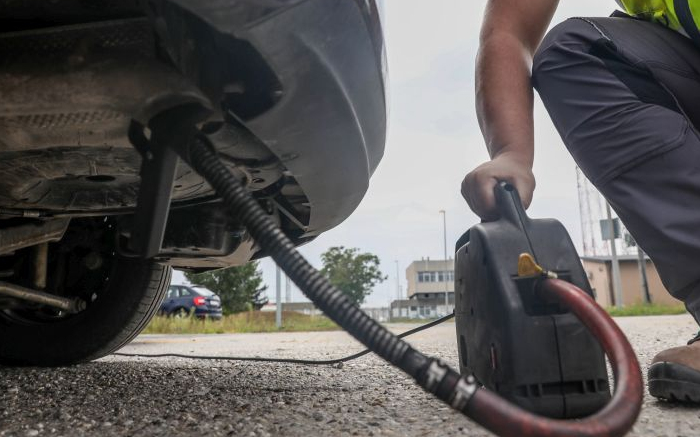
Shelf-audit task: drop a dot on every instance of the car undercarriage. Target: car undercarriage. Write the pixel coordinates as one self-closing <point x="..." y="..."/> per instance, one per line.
<point x="93" y="215"/>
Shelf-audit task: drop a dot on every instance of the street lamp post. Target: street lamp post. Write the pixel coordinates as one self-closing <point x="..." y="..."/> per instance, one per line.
<point x="617" y="283"/>
<point x="287" y="289"/>
<point x="278" y="297"/>
<point x="444" y="246"/>
<point x="642" y="263"/>
<point x="398" y="287"/>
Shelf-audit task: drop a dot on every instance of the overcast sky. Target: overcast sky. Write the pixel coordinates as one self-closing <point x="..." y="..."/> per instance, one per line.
<point x="434" y="140"/>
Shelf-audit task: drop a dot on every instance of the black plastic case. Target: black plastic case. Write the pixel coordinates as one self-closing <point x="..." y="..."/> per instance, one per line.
<point x="531" y="351"/>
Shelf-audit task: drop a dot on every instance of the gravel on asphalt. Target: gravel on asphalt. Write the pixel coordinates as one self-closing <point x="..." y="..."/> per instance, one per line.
<point x="118" y="396"/>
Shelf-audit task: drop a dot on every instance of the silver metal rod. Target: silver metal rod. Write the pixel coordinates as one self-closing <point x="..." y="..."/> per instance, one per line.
<point x="71" y="305"/>
<point x="41" y="259"/>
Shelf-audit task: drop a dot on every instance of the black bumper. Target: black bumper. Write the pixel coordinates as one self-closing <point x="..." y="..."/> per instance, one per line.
<point x="326" y="118"/>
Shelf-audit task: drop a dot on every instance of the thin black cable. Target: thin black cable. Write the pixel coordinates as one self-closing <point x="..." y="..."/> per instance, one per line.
<point x="288" y="360"/>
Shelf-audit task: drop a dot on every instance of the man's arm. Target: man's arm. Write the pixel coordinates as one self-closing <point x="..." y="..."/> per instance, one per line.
<point x="510" y="34"/>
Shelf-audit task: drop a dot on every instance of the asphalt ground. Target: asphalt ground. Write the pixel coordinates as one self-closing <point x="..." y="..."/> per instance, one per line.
<point x="118" y="396"/>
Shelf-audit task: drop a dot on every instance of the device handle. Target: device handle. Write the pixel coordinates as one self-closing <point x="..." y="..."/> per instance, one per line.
<point x="509" y="205"/>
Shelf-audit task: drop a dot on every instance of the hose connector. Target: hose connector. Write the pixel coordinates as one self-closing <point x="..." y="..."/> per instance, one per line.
<point x="446" y="384"/>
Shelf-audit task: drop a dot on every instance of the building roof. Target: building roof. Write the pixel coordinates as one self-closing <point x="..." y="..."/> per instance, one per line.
<point x="433" y="263"/>
<point x="430" y="291"/>
<point x="402" y="302"/>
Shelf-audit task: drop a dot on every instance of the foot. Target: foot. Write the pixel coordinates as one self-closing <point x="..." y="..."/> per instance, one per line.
<point x="674" y="374"/>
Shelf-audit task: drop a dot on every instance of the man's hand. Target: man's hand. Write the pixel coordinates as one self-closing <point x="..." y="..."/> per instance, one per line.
<point x="478" y="186"/>
<point x="510" y="34"/>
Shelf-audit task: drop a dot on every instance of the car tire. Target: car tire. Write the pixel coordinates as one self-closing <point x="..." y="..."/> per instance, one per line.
<point x="125" y="305"/>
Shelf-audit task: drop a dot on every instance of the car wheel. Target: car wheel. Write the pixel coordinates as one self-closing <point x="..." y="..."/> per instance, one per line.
<point x="122" y="296"/>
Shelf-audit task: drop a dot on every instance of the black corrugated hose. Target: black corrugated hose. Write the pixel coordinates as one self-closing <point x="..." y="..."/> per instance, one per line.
<point x="429" y="372"/>
<point x="460" y="392"/>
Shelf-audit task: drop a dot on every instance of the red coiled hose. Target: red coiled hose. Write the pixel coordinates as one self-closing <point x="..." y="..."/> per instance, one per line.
<point x="615" y="419"/>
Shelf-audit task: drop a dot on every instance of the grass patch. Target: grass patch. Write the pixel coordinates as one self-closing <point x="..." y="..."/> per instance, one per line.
<point x="250" y="321"/>
<point x="646" y="310"/>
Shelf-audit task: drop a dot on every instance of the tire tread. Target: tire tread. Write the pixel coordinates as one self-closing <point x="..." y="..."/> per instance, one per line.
<point x="158" y="282"/>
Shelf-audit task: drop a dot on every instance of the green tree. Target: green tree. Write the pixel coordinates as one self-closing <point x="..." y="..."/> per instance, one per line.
<point x="240" y="288"/>
<point x="352" y="272"/>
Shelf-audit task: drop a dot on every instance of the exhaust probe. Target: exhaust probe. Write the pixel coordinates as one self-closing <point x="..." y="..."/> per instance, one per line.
<point x="460" y="392"/>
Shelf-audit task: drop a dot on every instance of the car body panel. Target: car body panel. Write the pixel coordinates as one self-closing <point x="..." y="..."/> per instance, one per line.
<point x="328" y="123"/>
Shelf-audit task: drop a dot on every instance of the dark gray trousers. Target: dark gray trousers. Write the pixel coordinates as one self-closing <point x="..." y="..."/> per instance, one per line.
<point x="624" y="95"/>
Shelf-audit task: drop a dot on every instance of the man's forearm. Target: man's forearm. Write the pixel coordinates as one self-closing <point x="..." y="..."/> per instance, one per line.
<point x="504" y="97"/>
<point x="510" y="34"/>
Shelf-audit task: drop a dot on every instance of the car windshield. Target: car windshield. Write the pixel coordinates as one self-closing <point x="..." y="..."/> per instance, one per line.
<point x="204" y="291"/>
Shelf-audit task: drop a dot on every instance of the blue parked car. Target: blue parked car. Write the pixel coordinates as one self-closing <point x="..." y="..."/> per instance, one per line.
<point x="183" y="300"/>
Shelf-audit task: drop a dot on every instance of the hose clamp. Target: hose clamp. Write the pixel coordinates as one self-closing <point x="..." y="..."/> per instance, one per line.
<point x="449" y="385"/>
<point x="463" y="392"/>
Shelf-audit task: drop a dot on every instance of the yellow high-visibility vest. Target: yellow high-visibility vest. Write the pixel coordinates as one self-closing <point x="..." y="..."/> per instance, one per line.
<point x="680" y="15"/>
